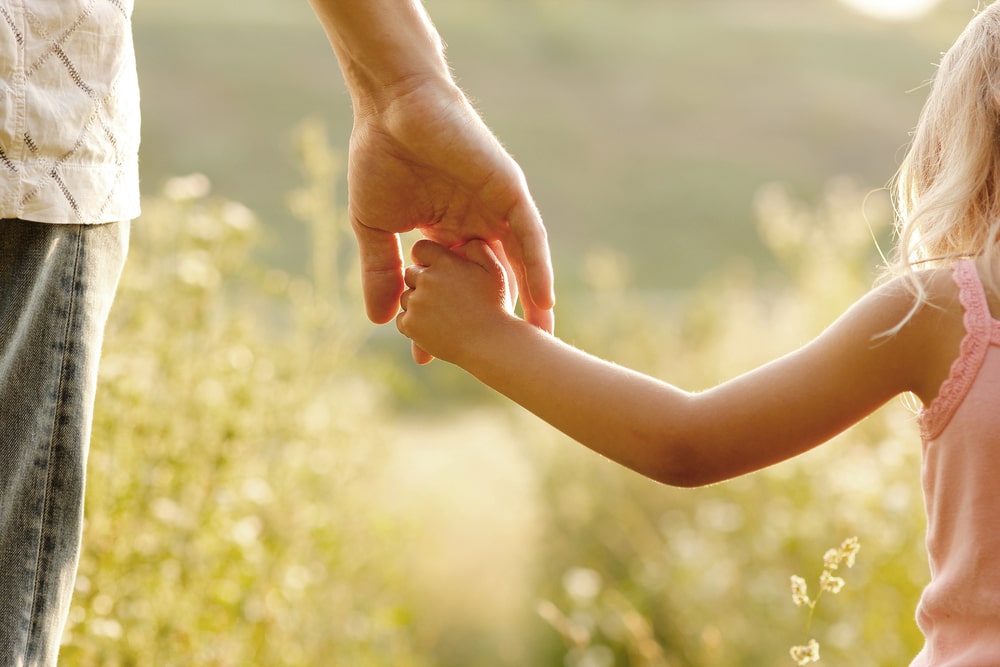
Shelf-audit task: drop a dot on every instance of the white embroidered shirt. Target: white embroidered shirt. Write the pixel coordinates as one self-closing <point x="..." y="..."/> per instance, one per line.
<point x="69" y="111"/>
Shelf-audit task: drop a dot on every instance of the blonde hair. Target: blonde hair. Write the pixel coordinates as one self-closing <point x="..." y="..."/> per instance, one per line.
<point x="947" y="193"/>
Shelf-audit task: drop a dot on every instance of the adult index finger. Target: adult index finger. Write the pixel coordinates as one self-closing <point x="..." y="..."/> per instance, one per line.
<point x="528" y="251"/>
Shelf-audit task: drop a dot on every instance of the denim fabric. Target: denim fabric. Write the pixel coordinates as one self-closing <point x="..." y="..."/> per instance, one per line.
<point x="57" y="283"/>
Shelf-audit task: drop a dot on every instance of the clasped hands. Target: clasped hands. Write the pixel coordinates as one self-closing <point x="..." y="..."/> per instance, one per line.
<point x="456" y="299"/>
<point x="428" y="162"/>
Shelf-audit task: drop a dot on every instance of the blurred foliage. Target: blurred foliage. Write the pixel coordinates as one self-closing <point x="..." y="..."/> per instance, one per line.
<point x="259" y="493"/>
<point x="227" y="514"/>
<point x="706" y="570"/>
<point x="624" y="115"/>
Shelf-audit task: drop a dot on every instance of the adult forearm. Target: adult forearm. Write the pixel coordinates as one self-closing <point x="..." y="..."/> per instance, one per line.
<point x="384" y="47"/>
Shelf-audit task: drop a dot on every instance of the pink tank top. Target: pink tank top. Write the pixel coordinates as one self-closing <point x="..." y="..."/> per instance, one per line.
<point x="959" y="611"/>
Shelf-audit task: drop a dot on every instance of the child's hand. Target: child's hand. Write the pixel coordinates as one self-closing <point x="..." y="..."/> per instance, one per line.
<point x="454" y="299"/>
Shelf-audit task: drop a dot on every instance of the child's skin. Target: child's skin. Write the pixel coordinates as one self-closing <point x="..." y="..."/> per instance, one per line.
<point x="457" y="308"/>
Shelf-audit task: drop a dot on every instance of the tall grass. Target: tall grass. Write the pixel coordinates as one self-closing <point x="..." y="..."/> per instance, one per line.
<point x="228" y="520"/>
<point x="263" y="491"/>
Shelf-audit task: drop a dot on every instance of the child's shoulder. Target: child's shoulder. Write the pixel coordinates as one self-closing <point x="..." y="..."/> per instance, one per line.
<point x="935" y="328"/>
<point x="936" y="287"/>
<point x="951" y="288"/>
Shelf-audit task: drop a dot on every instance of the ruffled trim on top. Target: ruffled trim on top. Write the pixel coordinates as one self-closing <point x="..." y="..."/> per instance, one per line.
<point x="977" y="320"/>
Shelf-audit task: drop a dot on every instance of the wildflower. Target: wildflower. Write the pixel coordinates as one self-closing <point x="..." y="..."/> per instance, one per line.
<point x="828" y="582"/>
<point x="800" y="596"/>
<point x="850" y="549"/>
<point x="845" y="554"/>
<point x="803" y="655"/>
<point x="832" y="560"/>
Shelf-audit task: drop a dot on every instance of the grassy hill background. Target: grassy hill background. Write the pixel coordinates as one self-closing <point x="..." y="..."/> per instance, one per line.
<point x="645" y="127"/>
<point x="270" y="484"/>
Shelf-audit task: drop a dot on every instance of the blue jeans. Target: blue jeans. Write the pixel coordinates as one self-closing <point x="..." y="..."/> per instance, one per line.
<point x="57" y="283"/>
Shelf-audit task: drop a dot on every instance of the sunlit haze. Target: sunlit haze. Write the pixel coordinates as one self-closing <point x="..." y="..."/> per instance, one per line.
<point x="892" y="9"/>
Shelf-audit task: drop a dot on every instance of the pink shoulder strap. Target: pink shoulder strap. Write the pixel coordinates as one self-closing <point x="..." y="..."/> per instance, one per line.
<point x="972" y="295"/>
<point x="978" y="329"/>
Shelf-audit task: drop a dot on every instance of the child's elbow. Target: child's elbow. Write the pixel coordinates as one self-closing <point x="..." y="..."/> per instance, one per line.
<point x="684" y="447"/>
<point x="682" y="466"/>
<point x="685" y="478"/>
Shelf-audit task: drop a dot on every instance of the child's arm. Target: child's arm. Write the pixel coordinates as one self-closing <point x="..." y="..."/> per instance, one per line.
<point x="455" y="310"/>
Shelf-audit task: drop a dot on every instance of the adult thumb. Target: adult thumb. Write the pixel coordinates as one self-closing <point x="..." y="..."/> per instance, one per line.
<point x="381" y="271"/>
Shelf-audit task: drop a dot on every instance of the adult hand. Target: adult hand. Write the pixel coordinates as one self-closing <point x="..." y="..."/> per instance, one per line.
<point x="426" y="161"/>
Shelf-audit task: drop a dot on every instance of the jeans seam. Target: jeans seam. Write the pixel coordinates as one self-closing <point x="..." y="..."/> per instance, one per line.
<point x="47" y="494"/>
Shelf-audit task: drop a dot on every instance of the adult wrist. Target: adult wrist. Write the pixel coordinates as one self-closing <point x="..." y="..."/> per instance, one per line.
<point x="383" y="46"/>
<point x="422" y="88"/>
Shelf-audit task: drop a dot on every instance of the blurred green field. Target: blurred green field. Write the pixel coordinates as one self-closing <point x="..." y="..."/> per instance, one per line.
<point x="643" y="126"/>
<point x="273" y="483"/>
<point x="267" y="487"/>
